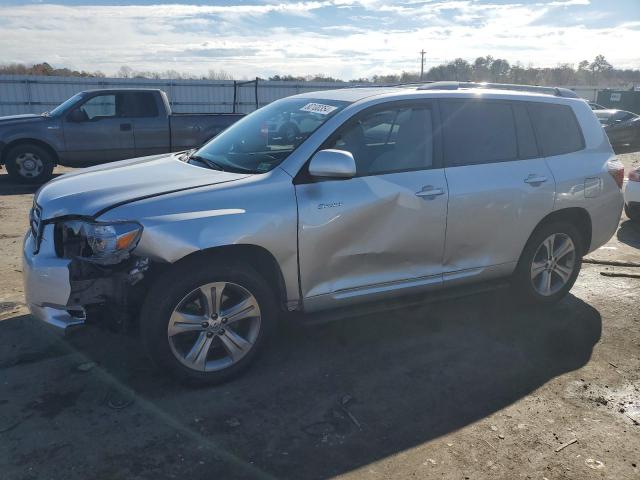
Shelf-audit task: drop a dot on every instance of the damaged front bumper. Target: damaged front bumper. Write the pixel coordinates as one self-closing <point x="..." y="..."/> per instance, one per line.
<point x="62" y="291"/>
<point x="47" y="285"/>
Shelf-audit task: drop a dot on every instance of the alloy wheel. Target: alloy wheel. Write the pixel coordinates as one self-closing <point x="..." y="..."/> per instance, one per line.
<point x="553" y="264"/>
<point x="214" y="326"/>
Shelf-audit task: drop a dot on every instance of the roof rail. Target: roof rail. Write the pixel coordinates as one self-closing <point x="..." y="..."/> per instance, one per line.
<point x="556" y="91"/>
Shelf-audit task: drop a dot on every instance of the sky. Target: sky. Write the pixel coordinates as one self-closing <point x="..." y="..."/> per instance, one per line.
<point x="341" y="38"/>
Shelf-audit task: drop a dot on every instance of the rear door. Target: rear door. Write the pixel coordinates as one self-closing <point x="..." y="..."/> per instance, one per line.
<point x="383" y="230"/>
<point x="499" y="186"/>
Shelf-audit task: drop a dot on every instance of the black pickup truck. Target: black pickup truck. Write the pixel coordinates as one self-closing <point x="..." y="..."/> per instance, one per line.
<point x="99" y="126"/>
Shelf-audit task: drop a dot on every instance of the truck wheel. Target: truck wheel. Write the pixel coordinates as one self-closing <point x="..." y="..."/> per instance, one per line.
<point x="28" y="163"/>
<point x="205" y="322"/>
<point x="549" y="264"/>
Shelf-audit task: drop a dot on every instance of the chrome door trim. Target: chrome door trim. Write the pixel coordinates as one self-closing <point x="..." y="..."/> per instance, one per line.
<point x="352" y="296"/>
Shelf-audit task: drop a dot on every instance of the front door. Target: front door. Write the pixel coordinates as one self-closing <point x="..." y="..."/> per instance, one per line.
<point x="382" y="231"/>
<point x="99" y="134"/>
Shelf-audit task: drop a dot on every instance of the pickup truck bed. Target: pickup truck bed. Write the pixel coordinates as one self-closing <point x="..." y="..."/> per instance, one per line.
<point x="194" y="129"/>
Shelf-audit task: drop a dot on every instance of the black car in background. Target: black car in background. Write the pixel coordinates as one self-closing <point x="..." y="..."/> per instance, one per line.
<point x="622" y="127"/>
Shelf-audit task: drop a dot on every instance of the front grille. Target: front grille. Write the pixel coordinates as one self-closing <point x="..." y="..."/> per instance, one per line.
<point x="35" y="223"/>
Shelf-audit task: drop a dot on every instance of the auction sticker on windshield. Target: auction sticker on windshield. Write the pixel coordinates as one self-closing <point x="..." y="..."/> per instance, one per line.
<point x="318" y="108"/>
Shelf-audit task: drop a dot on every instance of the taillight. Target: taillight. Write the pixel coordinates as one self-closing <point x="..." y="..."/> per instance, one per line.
<point x="616" y="170"/>
<point x="634" y="175"/>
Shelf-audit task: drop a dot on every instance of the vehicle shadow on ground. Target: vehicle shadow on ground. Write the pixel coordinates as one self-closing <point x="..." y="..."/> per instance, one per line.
<point x="629" y="234"/>
<point x="9" y="186"/>
<point x="328" y="399"/>
<point x="619" y="150"/>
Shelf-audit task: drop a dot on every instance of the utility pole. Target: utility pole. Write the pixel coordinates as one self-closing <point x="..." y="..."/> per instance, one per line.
<point x="422" y="54"/>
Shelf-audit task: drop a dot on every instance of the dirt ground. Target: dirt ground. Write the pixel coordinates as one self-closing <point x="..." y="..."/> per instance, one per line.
<point x="467" y="389"/>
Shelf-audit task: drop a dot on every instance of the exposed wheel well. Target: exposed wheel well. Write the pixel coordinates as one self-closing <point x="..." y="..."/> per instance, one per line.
<point x="257" y="257"/>
<point x="578" y="217"/>
<point x="29" y="141"/>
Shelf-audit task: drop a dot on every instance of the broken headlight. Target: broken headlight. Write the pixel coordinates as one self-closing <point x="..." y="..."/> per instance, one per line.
<point x="105" y="243"/>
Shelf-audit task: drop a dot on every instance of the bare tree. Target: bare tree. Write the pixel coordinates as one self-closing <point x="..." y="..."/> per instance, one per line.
<point x="482" y="69"/>
<point x="125" y="72"/>
<point x="219" y="75"/>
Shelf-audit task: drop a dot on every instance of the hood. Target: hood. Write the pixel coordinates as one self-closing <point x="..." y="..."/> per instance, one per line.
<point x="27" y="117"/>
<point x="92" y="190"/>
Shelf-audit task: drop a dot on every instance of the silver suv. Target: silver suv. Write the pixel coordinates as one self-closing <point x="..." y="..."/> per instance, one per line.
<point x="325" y="200"/>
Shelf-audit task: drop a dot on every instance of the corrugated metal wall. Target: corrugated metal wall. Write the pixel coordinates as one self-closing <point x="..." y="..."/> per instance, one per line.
<point x="34" y="94"/>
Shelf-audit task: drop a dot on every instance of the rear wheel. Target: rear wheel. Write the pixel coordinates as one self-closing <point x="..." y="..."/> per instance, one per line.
<point x="632" y="213"/>
<point x="206" y="323"/>
<point x="550" y="263"/>
<point x="28" y="163"/>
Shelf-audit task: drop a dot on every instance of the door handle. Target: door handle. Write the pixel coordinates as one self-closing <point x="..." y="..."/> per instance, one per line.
<point x="430" y="192"/>
<point x="535" y="180"/>
<point x="125" y="127"/>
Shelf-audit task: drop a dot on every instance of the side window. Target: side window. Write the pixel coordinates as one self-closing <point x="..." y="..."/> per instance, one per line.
<point x="527" y="147"/>
<point x="137" y="105"/>
<point x="386" y="141"/>
<point x="556" y="127"/>
<point x="624" y="116"/>
<point x="100" y="106"/>
<point x="478" y="131"/>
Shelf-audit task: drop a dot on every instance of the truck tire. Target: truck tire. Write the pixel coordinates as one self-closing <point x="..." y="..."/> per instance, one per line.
<point x="205" y="321"/>
<point x="549" y="264"/>
<point x="29" y="163"/>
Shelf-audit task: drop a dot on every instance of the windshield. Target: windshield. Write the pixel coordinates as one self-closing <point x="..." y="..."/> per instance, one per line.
<point x="262" y="140"/>
<point x="60" y="109"/>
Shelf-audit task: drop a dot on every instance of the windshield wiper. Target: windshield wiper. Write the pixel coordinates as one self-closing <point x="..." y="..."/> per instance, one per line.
<point x="209" y="163"/>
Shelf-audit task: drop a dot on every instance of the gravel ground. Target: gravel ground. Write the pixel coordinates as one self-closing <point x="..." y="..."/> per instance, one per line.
<point x="469" y="389"/>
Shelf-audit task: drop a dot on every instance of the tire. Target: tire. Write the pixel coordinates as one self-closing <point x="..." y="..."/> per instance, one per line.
<point x="166" y="301"/>
<point x="29" y="163"/>
<point x="562" y="271"/>
<point x="634" y="214"/>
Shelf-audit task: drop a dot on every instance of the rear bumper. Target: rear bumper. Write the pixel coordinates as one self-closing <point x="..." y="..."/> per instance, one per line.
<point x="46" y="283"/>
<point x="632" y="193"/>
<point x="605" y="215"/>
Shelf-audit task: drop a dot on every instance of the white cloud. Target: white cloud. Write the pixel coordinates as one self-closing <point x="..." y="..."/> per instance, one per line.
<point x="247" y="40"/>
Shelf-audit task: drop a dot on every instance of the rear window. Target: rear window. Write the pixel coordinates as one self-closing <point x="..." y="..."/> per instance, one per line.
<point x="477" y="132"/>
<point x="556" y="128"/>
<point x="137" y="104"/>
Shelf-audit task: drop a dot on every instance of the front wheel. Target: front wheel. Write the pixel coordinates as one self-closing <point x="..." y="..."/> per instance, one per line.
<point x="29" y="163"/>
<point x="205" y="322"/>
<point x="549" y="264"/>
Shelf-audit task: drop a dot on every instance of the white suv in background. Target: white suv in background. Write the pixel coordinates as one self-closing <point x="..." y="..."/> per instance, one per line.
<point x="374" y="194"/>
<point x="632" y="195"/>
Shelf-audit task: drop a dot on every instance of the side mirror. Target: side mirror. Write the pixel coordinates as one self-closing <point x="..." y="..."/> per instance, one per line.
<point x="77" y="116"/>
<point x="332" y="164"/>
